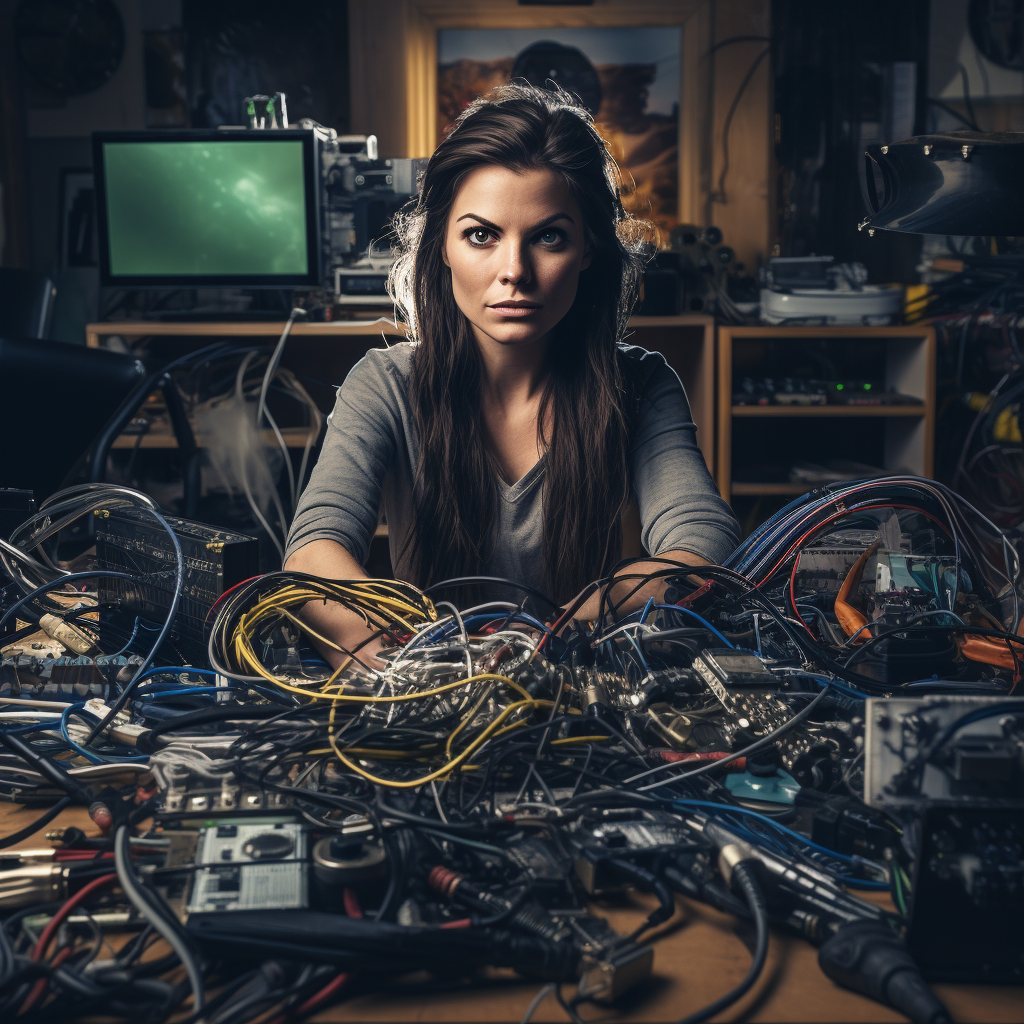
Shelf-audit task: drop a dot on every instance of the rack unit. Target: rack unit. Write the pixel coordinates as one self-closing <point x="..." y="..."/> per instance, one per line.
<point x="754" y="440"/>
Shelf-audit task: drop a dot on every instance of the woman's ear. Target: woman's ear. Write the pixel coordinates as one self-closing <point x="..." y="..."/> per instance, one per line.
<point x="444" y="255"/>
<point x="587" y="257"/>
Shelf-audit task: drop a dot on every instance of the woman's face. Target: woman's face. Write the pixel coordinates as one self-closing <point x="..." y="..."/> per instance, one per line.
<point x="515" y="246"/>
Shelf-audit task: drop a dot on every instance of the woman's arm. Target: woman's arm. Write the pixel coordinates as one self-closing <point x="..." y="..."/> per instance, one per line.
<point x="591" y="607"/>
<point x="338" y="511"/>
<point x="329" y="560"/>
<point x="682" y="515"/>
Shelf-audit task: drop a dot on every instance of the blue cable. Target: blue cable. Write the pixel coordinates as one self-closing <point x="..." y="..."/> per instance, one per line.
<point x="704" y="622"/>
<point x="803" y="840"/>
<point x="186" y="689"/>
<point x="639" y="653"/>
<point x="828" y="681"/>
<point x="88" y="754"/>
<point x="860" y="883"/>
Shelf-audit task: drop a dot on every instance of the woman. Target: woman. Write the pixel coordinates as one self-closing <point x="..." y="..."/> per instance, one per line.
<point x="516" y="436"/>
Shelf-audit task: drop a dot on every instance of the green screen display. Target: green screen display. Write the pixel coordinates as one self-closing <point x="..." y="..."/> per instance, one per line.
<point x="205" y="208"/>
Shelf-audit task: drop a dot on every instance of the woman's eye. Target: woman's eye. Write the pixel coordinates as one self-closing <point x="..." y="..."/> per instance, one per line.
<point x="479" y="236"/>
<point x="550" y="237"/>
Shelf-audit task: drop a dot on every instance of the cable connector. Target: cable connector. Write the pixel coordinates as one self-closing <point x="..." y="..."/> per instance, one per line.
<point x="867" y="957"/>
<point x="72" y="637"/>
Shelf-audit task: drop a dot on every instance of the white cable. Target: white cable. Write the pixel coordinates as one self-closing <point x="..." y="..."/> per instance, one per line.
<point x="25" y="702"/>
<point x="31" y="716"/>
<point x="242" y="467"/>
<point x="275" y="358"/>
<point x="261" y="407"/>
<point x="141" y="903"/>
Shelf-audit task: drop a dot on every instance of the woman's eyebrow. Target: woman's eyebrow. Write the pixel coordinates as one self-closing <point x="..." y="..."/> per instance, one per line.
<point x="536" y="227"/>
<point x="483" y="220"/>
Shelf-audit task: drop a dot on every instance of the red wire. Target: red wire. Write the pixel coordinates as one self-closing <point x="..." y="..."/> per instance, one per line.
<point x="837" y="515"/>
<point x="230" y="590"/>
<point x="51" y="929"/>
<point x="58" y="919"/>
<point x="40" y="986"/>
<point x="314" y="1000"/>
<point x="351" y="900"/>
<point x="798" y="546"/>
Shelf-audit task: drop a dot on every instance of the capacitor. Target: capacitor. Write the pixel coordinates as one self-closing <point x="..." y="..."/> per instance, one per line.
<point x="350" y="862"/>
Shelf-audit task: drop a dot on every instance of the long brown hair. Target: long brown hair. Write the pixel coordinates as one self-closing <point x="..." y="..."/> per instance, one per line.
<point x="591" y="397"/>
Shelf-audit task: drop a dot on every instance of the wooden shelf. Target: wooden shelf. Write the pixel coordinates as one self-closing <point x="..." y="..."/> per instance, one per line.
<point x="902" y="359"/>
<point x="239" y="329"/>
<point x="829" y="410"/>
<point x="687" y="342"/>
<point x="295" y="437"/>
<point x="746" y="489"/>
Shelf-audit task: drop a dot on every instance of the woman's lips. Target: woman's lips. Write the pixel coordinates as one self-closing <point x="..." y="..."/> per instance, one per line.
<point x="515" y="310"/>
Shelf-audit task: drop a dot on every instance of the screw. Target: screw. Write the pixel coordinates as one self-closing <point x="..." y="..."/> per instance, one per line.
<point x="885" y="150"/>
<point x="927" y="150"/>
<point x="965" y="151"/>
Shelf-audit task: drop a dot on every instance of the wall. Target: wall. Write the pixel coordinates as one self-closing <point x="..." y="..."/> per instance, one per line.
<point x="58" y="130"/>
<point x="118" y="104"/>
<point x="393" y="59"/>
<point x="996" y="93"/>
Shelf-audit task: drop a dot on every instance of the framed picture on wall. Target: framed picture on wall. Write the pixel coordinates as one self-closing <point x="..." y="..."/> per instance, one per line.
<point x="77" y="219"/>
<point x="628" y="78"/>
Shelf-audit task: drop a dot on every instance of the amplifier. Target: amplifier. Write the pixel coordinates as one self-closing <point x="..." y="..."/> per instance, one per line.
<point x="132" y="541"/>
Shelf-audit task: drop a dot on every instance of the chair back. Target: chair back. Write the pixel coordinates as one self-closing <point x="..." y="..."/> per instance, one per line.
<point x="26" y="302"/>
<point x="57" y="398"/>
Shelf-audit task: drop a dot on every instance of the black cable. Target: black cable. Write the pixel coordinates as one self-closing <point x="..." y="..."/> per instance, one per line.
<point x="719" y="196"/>
<point x="47" y="768"/>
<point x="732" y="40"/>
<point x="44" y="819"/>
<point x="967" y="97"/>
<point x="745" y="880"/>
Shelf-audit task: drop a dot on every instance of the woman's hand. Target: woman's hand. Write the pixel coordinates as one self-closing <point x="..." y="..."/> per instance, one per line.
<point x="630" y="574"/>
<point x="336" y="623"/>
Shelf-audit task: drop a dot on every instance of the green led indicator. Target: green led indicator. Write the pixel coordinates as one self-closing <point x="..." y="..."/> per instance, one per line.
<point x="867" y="387"/>
<point x="839" y="387"/>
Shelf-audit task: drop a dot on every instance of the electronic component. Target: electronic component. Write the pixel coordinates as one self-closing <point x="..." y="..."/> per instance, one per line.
<point x="348" y="860"/>
<point x="725" y="669"/>
<point x="360" y="286"/>
<point x="250" y="865"/>
<point x="968" y="894"/>
<point x="130" y="541"/>
<point x="955" y="748"/>
<point x="842" y="823"/>
<point x="65" y="678"/>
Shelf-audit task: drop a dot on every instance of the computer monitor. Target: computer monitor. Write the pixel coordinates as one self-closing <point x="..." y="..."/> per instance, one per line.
<point x="208" y="208"/>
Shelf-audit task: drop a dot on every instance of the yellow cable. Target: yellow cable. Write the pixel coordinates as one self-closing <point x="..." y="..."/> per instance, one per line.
<point x="445" y="769"/>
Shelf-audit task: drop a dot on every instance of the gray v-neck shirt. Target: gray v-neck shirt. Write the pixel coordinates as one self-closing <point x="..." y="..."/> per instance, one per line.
<point x="371" y="450"/>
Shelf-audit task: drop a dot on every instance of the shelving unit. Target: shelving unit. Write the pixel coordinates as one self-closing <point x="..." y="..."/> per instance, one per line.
<point x="754" y="438"/>
<point x="329" y="350"/>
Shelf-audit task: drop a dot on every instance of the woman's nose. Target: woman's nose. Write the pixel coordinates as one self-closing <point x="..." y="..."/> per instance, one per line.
<point x="517" y="268"/>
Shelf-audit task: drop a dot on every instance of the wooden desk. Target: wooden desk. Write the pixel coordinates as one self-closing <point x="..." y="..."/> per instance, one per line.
<point x="700" y="957"/>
